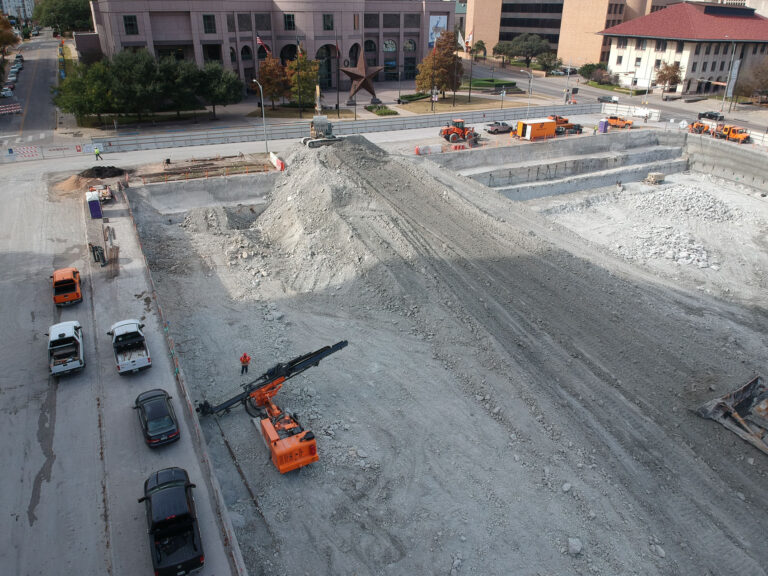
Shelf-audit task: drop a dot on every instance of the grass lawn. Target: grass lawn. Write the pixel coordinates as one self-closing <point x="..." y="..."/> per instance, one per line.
<point x="307" y="113"/>
<point x="446" y="105"/>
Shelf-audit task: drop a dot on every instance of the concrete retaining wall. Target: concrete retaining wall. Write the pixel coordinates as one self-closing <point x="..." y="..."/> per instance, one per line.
<point x="736" y="162"/>
<point x="184" y="195"/>
<point x="570" y="166"/>
<point x="593" y="180"/>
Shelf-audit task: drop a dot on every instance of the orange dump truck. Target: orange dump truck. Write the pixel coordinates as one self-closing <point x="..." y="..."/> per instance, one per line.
<point x="66" y="286"/>
<point x="535" y="129"/>
<point x="732" y="133"/>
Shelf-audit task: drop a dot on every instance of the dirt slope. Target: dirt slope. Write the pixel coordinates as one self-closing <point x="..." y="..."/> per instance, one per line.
<point x="513" y="399"/>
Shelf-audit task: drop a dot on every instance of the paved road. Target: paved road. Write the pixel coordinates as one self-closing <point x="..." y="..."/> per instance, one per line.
<point x="35" y="125"/>
<point x="72" y="451"/>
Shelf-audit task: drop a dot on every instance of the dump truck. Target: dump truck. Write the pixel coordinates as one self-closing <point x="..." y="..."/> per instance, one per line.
<point x="130" y="347"/>
<point x="320" y="133"/>
<point x="456" y="131"/>
<point x="698" y="127"/>
<point x="535" y="129"/>
<point x="65" y="348"/>
<point x="732" y="133"/>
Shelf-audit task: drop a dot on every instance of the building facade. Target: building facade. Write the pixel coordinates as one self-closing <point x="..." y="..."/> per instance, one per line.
<point x="19" y="9"/>
<point x="494" y="21"/>
<point x="395" y="34"/>
<point x="711" y="43"/>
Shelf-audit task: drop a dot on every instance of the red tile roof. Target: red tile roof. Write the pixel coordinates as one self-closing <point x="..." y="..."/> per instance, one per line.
<point x="693" y="22"/>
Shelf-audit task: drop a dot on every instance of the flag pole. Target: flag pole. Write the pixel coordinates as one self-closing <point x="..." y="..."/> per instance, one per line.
<point x="298" y="71"/>
<point x="338" y="87"/>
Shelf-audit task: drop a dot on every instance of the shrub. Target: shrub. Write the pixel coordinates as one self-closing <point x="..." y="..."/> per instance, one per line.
<point x="381" y="110"/>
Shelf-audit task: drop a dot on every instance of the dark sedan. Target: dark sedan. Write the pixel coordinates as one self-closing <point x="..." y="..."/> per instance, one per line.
<point x="716" y="116"/>
<point x="498" y="128"/>
<point x="157" y="418"/>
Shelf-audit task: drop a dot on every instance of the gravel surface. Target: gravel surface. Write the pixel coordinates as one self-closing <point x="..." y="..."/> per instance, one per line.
<point x="518" y="387"/>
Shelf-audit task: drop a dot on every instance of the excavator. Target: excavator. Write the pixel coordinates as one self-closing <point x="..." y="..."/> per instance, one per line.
<point x="291" y="447"/>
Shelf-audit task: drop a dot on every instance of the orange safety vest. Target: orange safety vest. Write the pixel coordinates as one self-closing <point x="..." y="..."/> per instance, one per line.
<point x="245" y="359"/>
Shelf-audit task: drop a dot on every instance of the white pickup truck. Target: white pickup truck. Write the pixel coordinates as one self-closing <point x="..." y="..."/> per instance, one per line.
<point x="65" y="348"/>
<point x="131" y="352"/>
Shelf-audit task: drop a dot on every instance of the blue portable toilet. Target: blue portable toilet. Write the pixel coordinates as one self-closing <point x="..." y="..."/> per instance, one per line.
<point x="602" y="126"/>
<point x="94" y="205"/>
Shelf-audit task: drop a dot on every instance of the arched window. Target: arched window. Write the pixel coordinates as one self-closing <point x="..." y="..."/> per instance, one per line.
<point x="246" y="54"/>
<point x="409" y="46"/>
<point x="389" y="46"/>
<point x="232" y="55"/>
<point x="370" y="46"/>
<point x="261" y="53"/>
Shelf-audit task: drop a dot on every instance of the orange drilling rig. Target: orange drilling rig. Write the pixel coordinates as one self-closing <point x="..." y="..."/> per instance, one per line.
<point x="290" y="445"/>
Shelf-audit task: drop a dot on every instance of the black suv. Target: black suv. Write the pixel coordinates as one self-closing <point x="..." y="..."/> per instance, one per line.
<point x="716" y="116"/>
<point x="156" y="417"/>
<point x="174" y="538"/>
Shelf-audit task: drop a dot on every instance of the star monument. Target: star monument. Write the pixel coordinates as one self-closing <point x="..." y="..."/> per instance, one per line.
<point x="362" y="77"/>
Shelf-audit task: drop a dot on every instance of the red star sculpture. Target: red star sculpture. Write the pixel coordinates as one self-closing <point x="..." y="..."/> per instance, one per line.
<point x="362" y="77"/>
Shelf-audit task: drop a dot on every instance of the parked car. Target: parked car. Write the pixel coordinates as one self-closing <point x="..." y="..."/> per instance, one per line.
<point x="567" y="70"/>
<point x="18" y="64"/>
<point x="156" y="417"/>
<point x="35" y="33"/>
<point x="498" y="128"/>
<point x="716" y="116"/>
<point x="609" y="99"/>
<point x="66" y="286"/>
<point x="6" y="93"/>
<point x="556" y="73"/>
<point x="12" y="78"/>
<point x="9" y="85"/>
<point x="174" y="535"/>
<point x="19" y="58"/>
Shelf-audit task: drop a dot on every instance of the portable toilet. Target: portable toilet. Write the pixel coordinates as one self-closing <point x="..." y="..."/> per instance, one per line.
<point x="94" y="205"/>
<point x="602" y="126"/>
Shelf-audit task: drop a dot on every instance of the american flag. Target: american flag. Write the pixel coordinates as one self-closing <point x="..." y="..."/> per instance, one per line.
<point x="260" y="42"/>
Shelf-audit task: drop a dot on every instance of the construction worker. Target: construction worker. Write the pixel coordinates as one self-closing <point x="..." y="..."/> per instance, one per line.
<point x="245" y="360"/>
<point x="97" y="153"/>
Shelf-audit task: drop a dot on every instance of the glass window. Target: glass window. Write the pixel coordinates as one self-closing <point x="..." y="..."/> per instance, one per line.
<point x="680" y="46"/>
<point x="131" y="25"/>
<point x="391" y="20"/>
<point x="698" y="49"/>
<point x="263" y="22"/>
<point x="245" y="53"/>
<point x="657" y="64"/>
<point x="704" y="67"/>
<point x="209" y="24"/>
<point x="371" y="20"/>
<point x="409" y="45"/>
<point x="754" y="49"/>
<point x="717" y="49"/>
<point x="244" y="22"/>
<point x="232" y="52"/>
<point x="389" y="46"/>
<point x="640" y="44"/>
<point x="638" y="61"/>
<point x="619" y="59"/>
<point x="722" y="65"/>
<point x="327" y="21"/>
<point x="289" y="22"/>
<point x="621" y="43"/>
<point x="693" y="67"/>
<point x="411" y="20"/>
<point x="356" y="21"/>
<point x="370" y="46"/>
<point x="661" y="45"/>
<point x="707" y="49"/>
<point x="231" y="23"/>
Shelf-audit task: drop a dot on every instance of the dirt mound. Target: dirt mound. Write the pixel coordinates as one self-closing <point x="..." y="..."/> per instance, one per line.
<point x="102" y="172"/>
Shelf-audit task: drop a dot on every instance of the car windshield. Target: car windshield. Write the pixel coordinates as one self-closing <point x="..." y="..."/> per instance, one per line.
<point x="158" y="417"/>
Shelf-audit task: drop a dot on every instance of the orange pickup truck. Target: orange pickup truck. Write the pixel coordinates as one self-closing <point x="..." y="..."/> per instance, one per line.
<point x="66" y="286"/>
<point x="619" y="122"/>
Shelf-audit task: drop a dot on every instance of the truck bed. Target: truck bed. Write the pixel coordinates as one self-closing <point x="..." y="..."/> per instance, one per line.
<point x="132" y="357"/>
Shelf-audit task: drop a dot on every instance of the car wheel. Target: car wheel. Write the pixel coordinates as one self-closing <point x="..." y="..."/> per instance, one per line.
<point x="453" y="138"/>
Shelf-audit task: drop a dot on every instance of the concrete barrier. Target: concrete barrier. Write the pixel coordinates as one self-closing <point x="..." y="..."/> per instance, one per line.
<point x="743" y="163"/>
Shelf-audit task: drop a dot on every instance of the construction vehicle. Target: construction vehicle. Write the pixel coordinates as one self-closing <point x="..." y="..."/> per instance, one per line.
<point x="320" y="133"/>
<point x="559" y="120"/>
<point x="654" y="178"/>
<point x="732" y="133"/>
<point x="619" y="122"/>
<point x="66" y="286"/>
<point x="291" y="446"/>
<point x="456" y="131"/>
<point x="698" y="127"/>
<point x="568" y="128"/>
<point x="743" y="411"/>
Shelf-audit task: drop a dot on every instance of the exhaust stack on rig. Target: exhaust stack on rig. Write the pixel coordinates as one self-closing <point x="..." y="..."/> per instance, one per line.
<point x="290" y="445"/>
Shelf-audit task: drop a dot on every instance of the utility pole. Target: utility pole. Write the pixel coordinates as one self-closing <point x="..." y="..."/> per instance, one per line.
<point x="338" y="69"/>
<point x="298" y="71"/>
<point x="469" y="98"/>
<point x="730" y="72"/>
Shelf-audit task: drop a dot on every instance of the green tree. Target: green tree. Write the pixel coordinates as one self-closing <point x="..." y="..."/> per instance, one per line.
<point x="7" y="37"/>
<point x="302" y="75"/>
<point x="503" y="49"/>
<point x="220" y="87"/>
<point x="669" y="75"/>
<point x="71" y="96"/>
<point x="479" y="47"/>
<point x="587" y="70"/>
<point x="98" y="90"/>
<point x="441" y="68"/>
<point x="64" y="15"/>
<point x="273" y="79"/>
<point x="179" y="84"/>
<point x="529" y="46"/>
<point x="549" y="61"/>
<point x="136" y="85"/>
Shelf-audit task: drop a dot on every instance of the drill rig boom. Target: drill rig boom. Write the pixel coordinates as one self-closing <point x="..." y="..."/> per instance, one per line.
<point x="290" y="445"/>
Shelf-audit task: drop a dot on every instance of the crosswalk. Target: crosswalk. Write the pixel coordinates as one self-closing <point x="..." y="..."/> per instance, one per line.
<point x="24" y="138"/>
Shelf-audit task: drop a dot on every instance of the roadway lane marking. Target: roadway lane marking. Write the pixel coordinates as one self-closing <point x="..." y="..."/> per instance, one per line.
<point x="26" y="100"/>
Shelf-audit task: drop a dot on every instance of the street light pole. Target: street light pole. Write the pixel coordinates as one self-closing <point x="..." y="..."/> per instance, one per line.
<point x="530" y="83"/>
<point x="263" y="115"/>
